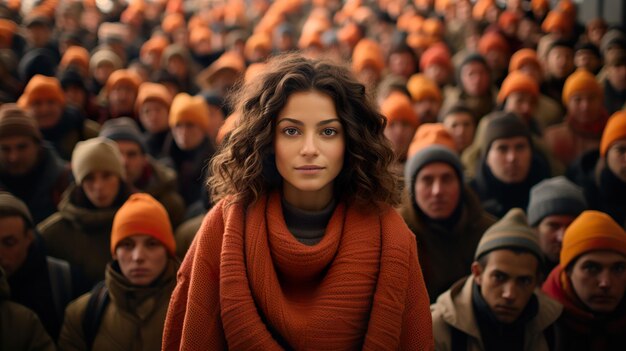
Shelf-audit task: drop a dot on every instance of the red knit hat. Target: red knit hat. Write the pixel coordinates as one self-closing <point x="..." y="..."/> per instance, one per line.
<point x="508" y="18"/>
<point x="41" y="87"/>
<point x="591" y="231"/>
<point x="517" y="81"/>
<point x="615" y="130"/>
<point x="436" y="54"/>
<point x="141" y="214"/>
<point x="492" y="41"/>
<point x="397" y="107"/>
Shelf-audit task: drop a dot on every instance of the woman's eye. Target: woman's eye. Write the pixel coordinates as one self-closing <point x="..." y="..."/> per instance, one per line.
<point x="329" y="132"/>
<point x="290" y="131"/>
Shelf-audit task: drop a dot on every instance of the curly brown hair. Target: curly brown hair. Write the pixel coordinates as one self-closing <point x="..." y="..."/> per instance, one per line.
<point x="245" y="167"/>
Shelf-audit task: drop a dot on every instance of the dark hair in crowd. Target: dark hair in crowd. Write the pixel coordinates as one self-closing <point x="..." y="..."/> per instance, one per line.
<point x="245" y="165"/>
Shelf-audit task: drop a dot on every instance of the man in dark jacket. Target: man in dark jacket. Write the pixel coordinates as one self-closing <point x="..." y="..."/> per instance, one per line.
<point x="30" y="168"/>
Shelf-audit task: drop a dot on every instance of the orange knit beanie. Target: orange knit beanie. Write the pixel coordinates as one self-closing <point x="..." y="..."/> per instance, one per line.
<point x="149" y="91"/>
<point x="518" y="82"/>
<point x="556" y="20"/>
<point x="615" y="130"/>
<point x="579" y="82"/>
<point x="436" y="54"/>
<point x="192" y="109"/>
<point x="367" y="53"/>
<point x="77" y="56"/>
<point x="422" y="88"/>
<point x="523" y="57"/>
<point x="397" y="107"/>
<point x="123" y="76"/>
<point x="141" y="214"/>
<point x="491" y="41"/>
<point x="41" y="87"/>
<point x="592" y="230"/>
<point x="431" y="134"/>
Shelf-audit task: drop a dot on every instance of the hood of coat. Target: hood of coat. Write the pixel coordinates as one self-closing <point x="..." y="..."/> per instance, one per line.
<point x="85" y="217"/>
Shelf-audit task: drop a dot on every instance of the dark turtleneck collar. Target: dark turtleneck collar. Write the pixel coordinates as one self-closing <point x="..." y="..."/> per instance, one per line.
<point x="308" y="227"/>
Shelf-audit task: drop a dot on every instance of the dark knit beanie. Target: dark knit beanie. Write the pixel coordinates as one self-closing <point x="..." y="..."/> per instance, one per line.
<point x="16" y="121"/>
<point x="504" y="126"/>
<point x="123" y="128"/>
<point x="555" y="196"/>
<point x="430" y="154"/>
<point x="37" y="61"/>
<point x="511" y="232"/>
<point x="12" y="205"/>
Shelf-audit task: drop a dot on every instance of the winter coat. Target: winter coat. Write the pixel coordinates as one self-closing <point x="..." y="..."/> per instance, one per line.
<point x="454" y="309"/>
<point x="20" y="328"/>
<point x="161" y="184"/>
<point x="71" y="129"/>
<point x="132" y="320"/>
<point x="446" y="255"/>
<point x="42" y="188"/>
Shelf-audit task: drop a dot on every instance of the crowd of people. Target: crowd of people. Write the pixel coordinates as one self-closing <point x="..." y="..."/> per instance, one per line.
<point x="297" y="174"/>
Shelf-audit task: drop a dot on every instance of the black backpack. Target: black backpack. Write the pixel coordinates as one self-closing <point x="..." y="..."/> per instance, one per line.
<point x="96" y="306"/>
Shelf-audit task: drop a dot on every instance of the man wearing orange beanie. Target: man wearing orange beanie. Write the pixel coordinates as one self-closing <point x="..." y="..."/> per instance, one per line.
<point x="519" y="94"/>
<point x="138" y="284"/>
<point x="153" y="107"/>
<point x="402" y="122"/>
<point x="590" y="282"/>
<point x="426" y="97"/>
<point x="119" y="94"/>
<point x="436" y="63"/>
<point x="584" y="122"/>
<point x="603" y="174"/>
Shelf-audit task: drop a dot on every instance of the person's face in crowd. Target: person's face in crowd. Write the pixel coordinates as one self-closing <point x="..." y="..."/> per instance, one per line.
<point x="216" y="120"/>
<point x="181" y="36"/>
<point x="122" y="97"/>
<point x="461" y="128"/>
<point x="103" y="71"/>
<point x="46" y="111"/>
<point x="38" y="35"/>
<point x="309" y="144"/>
<point x="400" y="133"/>
<point x="509" y="159"/>
<point x="101" y="188"/>
<point x="15" y="239"/>
<point x="284" y="42"/>
<point x="427" y="109"/>
<point x="533" y="71"/>
<point x="369" y="77"/>
<point x="439" y="74"/>
<point x="475" y="79"/>
<point x="560" y="62"/>
<point x="402" y="64"/>
<point x="153" y="116"/>
<point x="584" y="107"/>
<point x="18" y="154"/>
<point x="507" y="282"/>
<point x="616" y="75"/>
<point x="599" y="280"/>
<point x="188" y="136"/>
<point x="522" y="104"/>
<point x="595" y="35"/>
<point x="75" y="96"/>
<point x="134" y="159"/>
<point x="142" y="259"/>
<point x="177" y="66"/>
<point x="497" y="60"/>
<point x="551" y="230"/>
<point x="514" y="6"/>
<point x="587" y="60"/>
<point x="463" y="11"/>
<point x="437" y="190"/>
<point x="223" y="81"/>
<point x="616" y="159"/>
<point x="141" y="70"/>
<point x="527" y="31"/>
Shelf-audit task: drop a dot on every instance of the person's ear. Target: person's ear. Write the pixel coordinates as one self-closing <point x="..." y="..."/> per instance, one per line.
<point x="477" y="272"/>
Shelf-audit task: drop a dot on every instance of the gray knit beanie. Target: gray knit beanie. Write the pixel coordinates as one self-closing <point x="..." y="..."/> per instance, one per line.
<point x="11" y="204"/>
<point x="554" y="196"/>
<point x="97" y="154"/>
<point x="123" y="128"/>
<point x="430" y="154"/>
<point x="512" y="231"/>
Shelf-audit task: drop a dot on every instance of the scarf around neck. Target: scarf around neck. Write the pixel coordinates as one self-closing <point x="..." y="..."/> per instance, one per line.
<point x="353" y="290"/>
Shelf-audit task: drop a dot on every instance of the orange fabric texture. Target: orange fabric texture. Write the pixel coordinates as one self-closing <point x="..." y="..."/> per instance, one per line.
<point x="556" y="21"/>
<point x="173" y="22"/>
<point x="592" y="230"/>
<point x="581" y="81"/>
<point x="8" y="29"/>
<point x="523" y="57"/>
<point x="259" y="41"/>
<point x="491" y="41"/>
<point x="517" y="81"/>
<point x="153" y="91"/>
<point x="41" y="87"/>
<point x="431" y="134"/>
<point x="436" y="54"/>
<point x="507" y="18"/>
<point x="615" y="130"/>
<point x="123" y="76"/>
<point x="397" y="107"/>
<point x="191" y="109"/>
<point x="367" y="53"/>
<point x="422" y="88"/>
<point x="141" y="214"/>
<point x="75" y="55"/>
<point x="155" y="45"/>
<point x="364" y="270"/>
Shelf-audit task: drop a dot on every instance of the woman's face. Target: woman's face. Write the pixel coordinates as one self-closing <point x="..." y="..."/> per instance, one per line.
<point x="309" y="143"/>
<point x="142" y="259"/>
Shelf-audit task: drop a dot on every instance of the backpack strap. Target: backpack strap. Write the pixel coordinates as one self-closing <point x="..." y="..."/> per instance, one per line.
<point x="60" y="276"/>
<point x="96" y="306"/>
<point x="458" y="340"/>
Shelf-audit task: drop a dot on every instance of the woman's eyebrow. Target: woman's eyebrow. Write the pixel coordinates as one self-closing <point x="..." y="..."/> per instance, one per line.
<point x="298" y="122"/>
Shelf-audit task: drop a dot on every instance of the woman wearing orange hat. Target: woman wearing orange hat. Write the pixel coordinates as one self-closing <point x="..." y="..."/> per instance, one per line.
<point x="304" y="230"/>
<point x="127" y="310"/>
<point x="590" y="282"/>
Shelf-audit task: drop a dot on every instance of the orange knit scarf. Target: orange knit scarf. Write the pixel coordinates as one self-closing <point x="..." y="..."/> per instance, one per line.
<point x="247" y="283"/>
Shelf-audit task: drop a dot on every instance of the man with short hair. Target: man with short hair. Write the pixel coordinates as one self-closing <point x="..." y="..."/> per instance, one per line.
<point x="426" y="98"/>
<point x="615" y="83"/>
<point x="590" y="282"/>
<point x="498" y="307"/>
<point x="461" y="125"/>
<point x="142" y="171"/>
<point x="559" y="65"/>
<point x="29" y="167"/>
<point x="554" y="204"/>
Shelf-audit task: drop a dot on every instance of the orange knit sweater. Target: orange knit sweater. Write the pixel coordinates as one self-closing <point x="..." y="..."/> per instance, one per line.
<point x="247" y="283"/>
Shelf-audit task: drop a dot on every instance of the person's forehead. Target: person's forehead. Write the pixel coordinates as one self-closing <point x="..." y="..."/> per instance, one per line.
<point x="512" y="263"/>
<point x="603" y="257"/>
<point x="511" y="140"/>
<point x="437" y="168"/>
